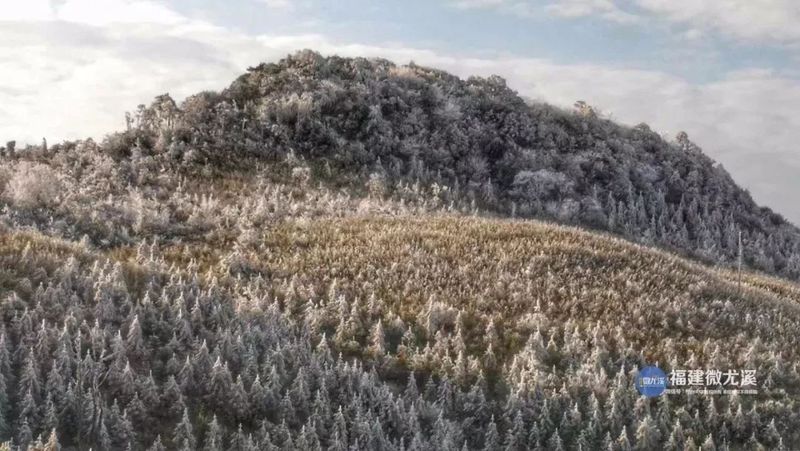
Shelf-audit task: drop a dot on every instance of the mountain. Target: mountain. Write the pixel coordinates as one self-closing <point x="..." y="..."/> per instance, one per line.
<point x="408" y="124"/>
<point x="335" y="254"/>
<point x="356" y="120"/>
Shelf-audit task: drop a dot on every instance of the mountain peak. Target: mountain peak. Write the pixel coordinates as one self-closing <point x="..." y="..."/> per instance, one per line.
<point x="352" y="118"/>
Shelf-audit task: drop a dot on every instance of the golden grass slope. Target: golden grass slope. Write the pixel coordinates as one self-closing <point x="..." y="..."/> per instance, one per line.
<point x="525" y="273"/>
<point x="425" y="278"/>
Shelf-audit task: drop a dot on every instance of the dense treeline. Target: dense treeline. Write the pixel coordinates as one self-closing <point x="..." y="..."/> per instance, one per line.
<point x="397" y="341"/>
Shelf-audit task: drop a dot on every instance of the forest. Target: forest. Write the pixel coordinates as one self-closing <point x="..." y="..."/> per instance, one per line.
<point x="347" y="254"/>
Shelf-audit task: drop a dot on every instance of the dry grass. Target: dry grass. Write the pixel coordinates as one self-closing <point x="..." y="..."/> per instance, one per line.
<point x="523" y="276"/>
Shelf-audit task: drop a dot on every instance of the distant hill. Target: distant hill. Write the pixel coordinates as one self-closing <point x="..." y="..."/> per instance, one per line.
<point x="359" y="118"/>
<point x="352" y="120"/>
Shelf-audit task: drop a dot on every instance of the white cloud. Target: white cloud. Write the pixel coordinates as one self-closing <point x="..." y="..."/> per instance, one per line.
<point x="89" y="12"/>
<point x="116" y="12"/>
<point x="277" y="4"/>
<point x="606" y="9"/>
<point x="27" y="11"/>
<point x="749" y="20"/>
<point x="759" y="20"/>
<point x="67" y="80"/>
<point x="479" y="3"/>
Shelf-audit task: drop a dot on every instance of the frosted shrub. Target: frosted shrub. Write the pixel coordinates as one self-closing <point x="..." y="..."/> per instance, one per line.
<point x="301" y="175"/>
<point x="5" y="176"/>
<point x="377" y="185"/>
<point x="146" y="215"/>
<point x="33" y="185"/>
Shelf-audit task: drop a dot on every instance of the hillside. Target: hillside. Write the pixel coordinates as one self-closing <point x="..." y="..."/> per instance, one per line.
<point x="516" y="332"/>
<point x="267" y="278"/>
<point x="337" y="254"/>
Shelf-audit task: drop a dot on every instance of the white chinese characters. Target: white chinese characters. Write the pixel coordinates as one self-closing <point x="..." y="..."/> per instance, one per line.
<point x="713" y="378"/>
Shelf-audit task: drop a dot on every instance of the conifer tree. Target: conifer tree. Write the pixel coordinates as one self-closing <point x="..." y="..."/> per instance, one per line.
<point x="103" y="437"/>
<point x="157" y="445"/>
<point x="708" y="444"/>
<point x="24" y="434"/>
<point x="213" y="437"/>
<point x="183" y="438"/>
<point x="492" y="438"/>
<point x="647" y="435"/>
<point x="377" y="341"/>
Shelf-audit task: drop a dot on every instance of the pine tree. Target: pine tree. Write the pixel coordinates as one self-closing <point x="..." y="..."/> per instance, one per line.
<point x="340" y="436"/>
<point x="122" y="432"/>
<point x="264" y="439"/>
<point x="283" y="437"/>
<point x="183" y="437"/>
<point x="157" y="445"/>
<point x="708" y="444"/>
<point x="186" y="378"/>
<point x="52" y="442"/>
<point x="138" y="412"/>
<point x="584" y="440"/>
<point x="608" y="442"/>
<point x="492" y="438"/>
<point x="309" y="437"/>
<point x="87" y="415"/>
<point x="771" y="434"/>
<point x="172" y="402"/>
<point x="148" y="390"/>
<point x="134" y="342"/>
<point x="622" y="442"/>
<point x="220" y="384"/>
<point x="24" y="434"/>
<point x="239" y="403"/>
<point x="5" y="358"/>
<point x="5" y="427"/>
<point x="28" y="409"/>
<point x="29" y="379"/>
<point x="377" y="341"/>
<point x="676" y="437"/>
<point x="691" y="445"/>
<point x="555" y="442"/>
<point x="103" y="437"/>
<point x="516" y="436"/>
<point x="70" y="411"/>
<point x="320" y="411"/>
<point x="411" y="393"/>
<point x="647" y="435"/>
<point x="127" y="382"/>
<point x="38" y="444"/>
<point x="259" y="398"/>
<point x="287" y="411"/>
<point x="213" y="438"/>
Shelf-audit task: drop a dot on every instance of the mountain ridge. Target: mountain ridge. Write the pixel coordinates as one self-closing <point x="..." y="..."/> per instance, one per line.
<point x="369" y="119"/>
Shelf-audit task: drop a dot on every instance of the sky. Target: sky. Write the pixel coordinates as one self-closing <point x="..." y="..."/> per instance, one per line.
<point x="725" y="71"/>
